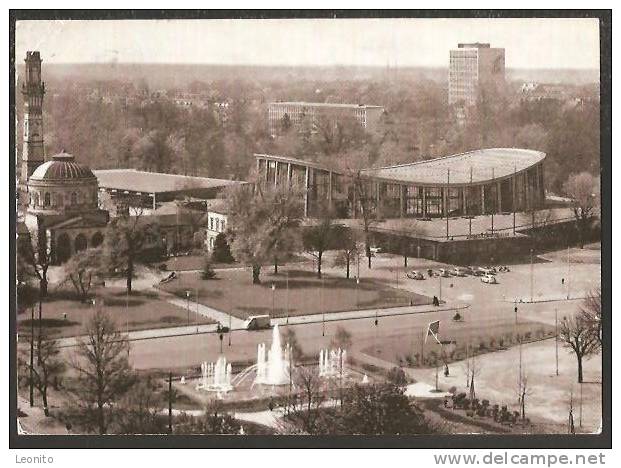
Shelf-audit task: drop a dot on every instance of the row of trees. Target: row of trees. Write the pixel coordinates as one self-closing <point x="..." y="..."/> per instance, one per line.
<point x="156" y="134"/>
<point x="265" y="226"/>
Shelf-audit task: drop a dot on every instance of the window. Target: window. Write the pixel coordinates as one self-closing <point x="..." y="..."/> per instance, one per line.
<point x="74" y="198"/>
<point x="222" y="225"/>
<point x="47" y="199"/>
<point x="211" y="223"/>
<point x="217" y="224"/>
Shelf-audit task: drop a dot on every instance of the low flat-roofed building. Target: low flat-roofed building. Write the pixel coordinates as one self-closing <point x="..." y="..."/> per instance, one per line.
<point x="150" y="188"/>
<point x="295" y="114"/>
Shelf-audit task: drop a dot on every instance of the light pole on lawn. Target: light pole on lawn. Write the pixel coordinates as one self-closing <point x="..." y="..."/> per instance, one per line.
<point x="197" y="313"/>
<point x="519" y="337"/>
<point x="287" y="296"/>
<point x="531" y="275"/>
<point x="357" y="284"/>
<point x="187" y="296"/>
<point x="323" y="311"/>
<point x="273" y="298"/>
<point x="556" y="337"/>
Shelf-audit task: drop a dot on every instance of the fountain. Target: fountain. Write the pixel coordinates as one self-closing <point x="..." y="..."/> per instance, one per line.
<point x="216" y="377"/>
<point x="365" y="379"/>
<point x="272" y="367"/>
<point x="332" y="362"/>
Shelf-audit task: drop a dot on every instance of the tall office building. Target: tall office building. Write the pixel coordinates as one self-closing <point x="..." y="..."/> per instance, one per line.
<point x="474" y="68"/>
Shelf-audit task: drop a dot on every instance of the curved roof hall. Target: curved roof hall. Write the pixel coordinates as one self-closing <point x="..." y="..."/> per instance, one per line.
<point x="477" y="166"/>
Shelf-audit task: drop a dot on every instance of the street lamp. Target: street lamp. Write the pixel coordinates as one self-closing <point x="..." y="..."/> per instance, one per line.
<point x="273" y="297"/>
<point x="323" y="312"/>
<point x="531" y="275"/>
<point x="187" y="295"/>
<point x="357" y="285"/>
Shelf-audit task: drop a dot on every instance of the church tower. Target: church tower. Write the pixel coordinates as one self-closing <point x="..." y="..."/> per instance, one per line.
<point x="33" y="90"/>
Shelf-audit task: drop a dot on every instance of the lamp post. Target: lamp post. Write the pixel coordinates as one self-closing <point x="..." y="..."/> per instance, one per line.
<point x="357" y="284"/>
<point x="531" y="275"/>
<point x="273" y="298"/>
<point x="187" y="295"/>
<point x="287" y="296"/>
<point x="556" y="337"/>
<point x="517" y="330"/>
<point x="323" y="312"/>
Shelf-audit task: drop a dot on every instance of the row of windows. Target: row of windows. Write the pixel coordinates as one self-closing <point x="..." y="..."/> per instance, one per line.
<point x="48" y="199"/>
<point x="216" y="224"/>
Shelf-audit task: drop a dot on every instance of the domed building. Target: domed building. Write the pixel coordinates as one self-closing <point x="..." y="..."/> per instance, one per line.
<point x="63" y="209"/>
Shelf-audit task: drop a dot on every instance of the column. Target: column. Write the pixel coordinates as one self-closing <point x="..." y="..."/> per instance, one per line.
<point x="402" y="202"/>
<point x="537" y="187"/>
<point x="499" y="197"/>
<point x="276" y="174"/>
<point x="527" y="200"/>
<point x="464" y="203"/>
<point x="513" y="186"/>
<point x="444" y="202"/>
<point x="288" y="175"/>
<point x="306" y="183"/>
<point x="424" y="202"/>
<point x="330" y="189"/>
<point x="154" y="203"/>
<point x="378" y="201"/>
<point x="482" y="199"/>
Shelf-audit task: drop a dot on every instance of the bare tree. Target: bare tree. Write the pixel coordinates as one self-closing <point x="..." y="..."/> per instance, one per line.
<point x="125" y="239"/>
<point x="44" y="370"/>
<point x="341" y="339"/>
<point x="80" y="269"/>
<point x="591" y="312"/>
<point x="311" y="397"/>
<point x="348" y="249"/>
<point x="523" y="391"/>
<point x="576" y="333"/>
<point x="320" y="237"/>
<point x="583" y="189"/>
<point x="104" y="373"/>
<point x="34" y="257"/>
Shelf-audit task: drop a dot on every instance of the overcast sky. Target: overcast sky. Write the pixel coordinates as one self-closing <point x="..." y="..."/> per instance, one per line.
<point x="529" y="43"/>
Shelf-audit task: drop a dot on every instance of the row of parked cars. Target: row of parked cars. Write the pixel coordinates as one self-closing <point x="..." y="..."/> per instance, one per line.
<point x="487" y="273"/>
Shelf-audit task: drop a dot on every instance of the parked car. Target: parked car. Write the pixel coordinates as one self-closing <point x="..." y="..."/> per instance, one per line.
<point x="415" y="275"/>
<point x="375" y="250"/>
<point x="490" y="279"/>
<point x="222" y="328"/>
<point x="488" y="270"/>
<point x="444" y="272"/>
<point x="460" y="271"/>
<point x="257" y="322"/>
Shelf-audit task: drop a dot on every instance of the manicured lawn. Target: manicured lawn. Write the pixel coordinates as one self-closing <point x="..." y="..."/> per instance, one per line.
<point x="142" y="310"/>
<point x="233" y="291"/>
<point x="477" y="337"/>
<point x="196" y="262"/>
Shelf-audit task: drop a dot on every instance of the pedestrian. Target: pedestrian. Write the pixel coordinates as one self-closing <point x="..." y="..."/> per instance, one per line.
<point x="562" y="280"/>
<point x="446" y="370"/>
<point x="270" y="405"/>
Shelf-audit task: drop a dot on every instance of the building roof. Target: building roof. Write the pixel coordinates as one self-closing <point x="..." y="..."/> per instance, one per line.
<point x="327" y="104"/>
<point x="154" y="182"/>
<point x="486" y="165"/>
<point x="62" y="167"/>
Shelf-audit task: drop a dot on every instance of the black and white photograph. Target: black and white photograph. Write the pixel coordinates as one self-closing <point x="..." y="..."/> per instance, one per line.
<point x="310" y="224"/>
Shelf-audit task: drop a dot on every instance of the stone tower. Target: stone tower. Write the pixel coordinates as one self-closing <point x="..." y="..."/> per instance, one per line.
<point x="33" y="90"/>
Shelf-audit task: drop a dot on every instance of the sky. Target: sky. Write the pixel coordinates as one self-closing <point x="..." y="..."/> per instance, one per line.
<point x="529" y="43"/>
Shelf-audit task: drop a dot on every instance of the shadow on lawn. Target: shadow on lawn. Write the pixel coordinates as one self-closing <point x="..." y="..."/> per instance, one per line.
<point x="48" y="323"/>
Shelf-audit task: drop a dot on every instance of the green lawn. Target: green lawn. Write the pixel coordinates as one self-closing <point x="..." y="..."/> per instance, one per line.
<point x="233" y="291"/>
<point x="142" y="310"/>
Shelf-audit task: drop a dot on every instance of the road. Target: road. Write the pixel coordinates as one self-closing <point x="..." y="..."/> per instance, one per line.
<point x="487" y="303"/>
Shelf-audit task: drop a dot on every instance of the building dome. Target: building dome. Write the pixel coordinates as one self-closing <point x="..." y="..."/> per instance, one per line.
<point x="62" y="186"/>
<point x="62" y="167"/>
